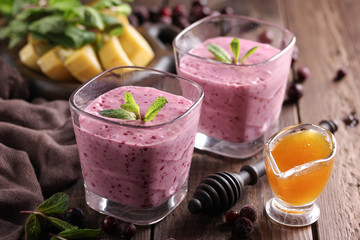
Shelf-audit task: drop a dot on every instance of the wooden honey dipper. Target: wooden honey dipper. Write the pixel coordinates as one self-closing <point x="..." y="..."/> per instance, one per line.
<point x="220" y="191"/>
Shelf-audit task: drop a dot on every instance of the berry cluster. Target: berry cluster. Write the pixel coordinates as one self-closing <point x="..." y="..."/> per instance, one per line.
<point x="178" y="15"/>
<point x="242" y="222"/>
<point x="112" y="225"/>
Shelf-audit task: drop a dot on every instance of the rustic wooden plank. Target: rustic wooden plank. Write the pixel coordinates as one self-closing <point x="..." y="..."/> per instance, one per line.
<point x="333" y="43"/>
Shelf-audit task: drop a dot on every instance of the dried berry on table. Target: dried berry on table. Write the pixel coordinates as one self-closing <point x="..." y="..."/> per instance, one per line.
<point x="109" y="224"/>
<point x="127" y="230"/>
<point x="75" y="216"/>
<point x="242" y="229"/>
<point x="340" y="74"/>
<point x="249" y="212"/>
<point x="351" y="120"/>
<point x="302" y="74"/>
<point x="295" y="92"/>
<point x="295" y="55"/>
<point x="231" y="216"/>
<point x="267" y="36"/>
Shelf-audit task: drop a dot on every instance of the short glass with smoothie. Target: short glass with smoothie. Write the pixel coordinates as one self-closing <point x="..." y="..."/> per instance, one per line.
<point x="136" y="169"/>
<point x="243" y="99"/>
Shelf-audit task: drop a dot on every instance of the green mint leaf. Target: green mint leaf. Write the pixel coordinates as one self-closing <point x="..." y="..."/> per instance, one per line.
<point x="48" y="25"/>
<point x="235" y="49"/>
<point x="154" y="108"/>
<point x="92" y="18"/>
<point x="219" y="53"/>
<point x="32" y="228"/>
<point x="118" y="113"/>
<point x="57" y="203"/>
<point x="60" y="224"/>
<point x="123" y="9"/>
<point x="116" y="31"/>
<point x="131" y="105"/>
<point x="79" y="233"/>
<point x="79" y="37"/>
<point x="6" y="7"/>
<point x="64" y="4"/>
<point x="33" y="14"/>
<point x="248" y="53"/>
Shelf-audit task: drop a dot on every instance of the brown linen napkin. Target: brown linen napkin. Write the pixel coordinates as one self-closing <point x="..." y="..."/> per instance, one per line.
<point x="38" y="154"/>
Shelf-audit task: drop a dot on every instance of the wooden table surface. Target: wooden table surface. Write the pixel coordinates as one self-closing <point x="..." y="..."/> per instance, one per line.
<point x="328" y="37"/>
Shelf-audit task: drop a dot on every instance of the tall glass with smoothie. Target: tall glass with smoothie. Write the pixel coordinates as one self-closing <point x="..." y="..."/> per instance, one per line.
<point x="135" y="131"/>
<point x="299" y="161"/>
<point x="243" y="96"/>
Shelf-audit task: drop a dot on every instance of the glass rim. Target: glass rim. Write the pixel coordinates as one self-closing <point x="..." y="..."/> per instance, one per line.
<point x="194" y="105"/>
<point x="303" y="166"/>
<point x="233" y="16"/>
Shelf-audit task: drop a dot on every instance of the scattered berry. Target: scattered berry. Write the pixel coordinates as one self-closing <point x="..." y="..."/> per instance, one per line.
<point x="198" y="12"/>
<point x="199" y="3"/>
<point x="340" y="74"/>
<point x="165" y="11"/>
<point x="142" y="13"/>
<point x="227" y="10"/>
<point x="109" y="224"/>
<point x="242" y="229"/>
<point x="127" y="230"/>
<point x="295" y="92"/>
<point x="180" y="10"/>
<point x="303" y="74"/>
<point x="165" y="19"/>
<point x="351" y="120"/>
<point x="249" y="212"/>
<point x="232" y="216"/>
<point x="75" y="216"/>
<point x="295" y="55"/>
<point x="267" y="36"/>
<point x="134" y="20"/>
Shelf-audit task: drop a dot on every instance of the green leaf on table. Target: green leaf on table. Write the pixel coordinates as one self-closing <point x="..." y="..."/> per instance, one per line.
<point x="32" y="228"/>
<point x="60" y="224"/>
<point x="131" y="105"/>
<point x="118" y="113"/>
<point x="248" y="53"/>
<point x="79" y="233"/>
<point x="154" y="108"/>
<point x="235" y="49"/>
<point x="57" y="203"/>
<point x="219" y="53"/>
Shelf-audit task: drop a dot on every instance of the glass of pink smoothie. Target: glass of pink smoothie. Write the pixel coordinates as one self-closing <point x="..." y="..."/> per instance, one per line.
<point x="136" y="170"/>
<point x="242" y="102"/>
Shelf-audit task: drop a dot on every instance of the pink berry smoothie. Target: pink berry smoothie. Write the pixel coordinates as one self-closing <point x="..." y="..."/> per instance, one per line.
<point x="141" y="164"/>
<point x="241" y="102"/>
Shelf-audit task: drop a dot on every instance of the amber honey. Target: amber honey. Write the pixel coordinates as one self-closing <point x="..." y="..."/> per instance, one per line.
<point x="299" y="168"/>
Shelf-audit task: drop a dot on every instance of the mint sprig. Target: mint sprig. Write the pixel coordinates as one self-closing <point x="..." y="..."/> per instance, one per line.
<point x="57" y="203"/>
<point x="223" y="56"/>
<point x="131" y="111"/>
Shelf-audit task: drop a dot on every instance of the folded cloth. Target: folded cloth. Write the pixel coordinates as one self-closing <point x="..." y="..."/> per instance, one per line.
<point x="38" y="154"/>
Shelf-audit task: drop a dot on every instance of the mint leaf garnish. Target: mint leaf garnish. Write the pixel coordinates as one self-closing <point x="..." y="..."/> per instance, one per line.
<point x="79" y="233"/>
<point x="57" y="203"/>
<point x="235" y="49"/>
<point x="131" y="111"/>
<point x="118" y="113"/>
<point x="154" y="108"/>
<point x="248" y="53"/>
<point x="32" y="228"/>
<point x="131" y="105"/>
<point x="219" y="53"/>
<point x="60" y="224"/>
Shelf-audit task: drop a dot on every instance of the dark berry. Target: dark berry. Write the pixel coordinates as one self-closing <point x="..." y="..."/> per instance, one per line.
<point x="142" y="13"/>
<point x="267" y="36"/>
<point x="134" y="20"/>
<point x="165" y="11"/>
<point x="249" y="212"/>
<point x="75" y="216"/>
<point x="180" y="10"/>
<point x="109" y="224"/>
<point x="295" y="92"/>
<point x="242" y="228"/>
<point x="154" y="14"/>
<point x="127" y="230"/>
<point x="302" y="74"/>
<point x="351" y="120"/>
<point x="227" y="10"/>
<point x="232" y="216"/>
<point x="180" y="21"/>
<point x="199" y="3"/>
<point x="198" y="12"/>
<point x="340" y="74"/>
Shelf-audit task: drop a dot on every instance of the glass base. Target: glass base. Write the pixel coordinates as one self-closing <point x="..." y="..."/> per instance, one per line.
<point x="233" y="149"/>
<point x="292" y="216"/>
<point x="138" y="216"/>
